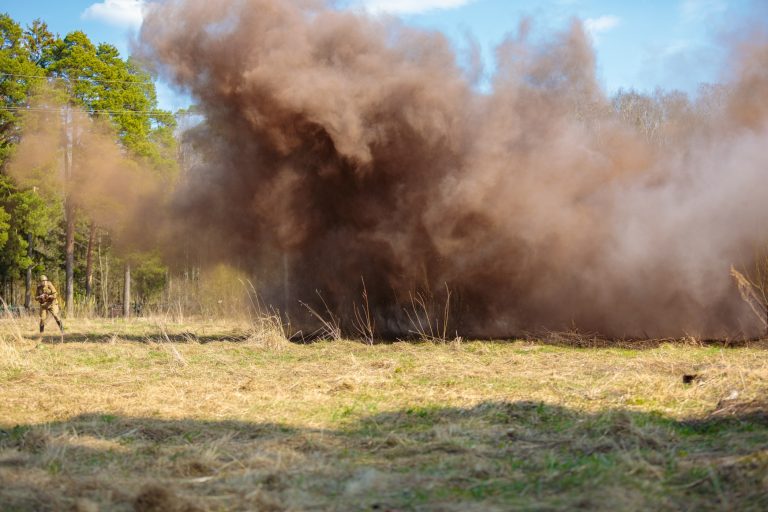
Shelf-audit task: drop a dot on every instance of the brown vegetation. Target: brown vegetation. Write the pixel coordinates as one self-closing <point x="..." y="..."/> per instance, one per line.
<point x="152" y="414"/>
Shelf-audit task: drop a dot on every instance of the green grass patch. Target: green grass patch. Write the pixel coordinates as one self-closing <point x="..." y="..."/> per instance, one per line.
<point x="251" y="425"/>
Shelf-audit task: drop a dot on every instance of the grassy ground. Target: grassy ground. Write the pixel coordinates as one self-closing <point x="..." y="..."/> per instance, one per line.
<point x="207" y="416"/>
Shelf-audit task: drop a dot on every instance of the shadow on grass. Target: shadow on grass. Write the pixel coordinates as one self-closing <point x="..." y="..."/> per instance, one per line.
<point x="494" y="456"/>
<point x="153" y="337"/>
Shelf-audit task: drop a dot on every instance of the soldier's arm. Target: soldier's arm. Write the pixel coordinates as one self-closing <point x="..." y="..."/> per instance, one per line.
<point x="52" y="293"/>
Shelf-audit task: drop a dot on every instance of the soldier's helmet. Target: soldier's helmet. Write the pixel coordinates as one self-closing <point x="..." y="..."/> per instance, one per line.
<point x="43" y="278"/>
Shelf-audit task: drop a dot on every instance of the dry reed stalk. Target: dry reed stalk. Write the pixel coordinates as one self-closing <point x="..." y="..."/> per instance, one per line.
<point x="425" y="323"/>
<point x="330" y="325"/>
<point x="363" y="321"/>
<point x="753" y="294"/>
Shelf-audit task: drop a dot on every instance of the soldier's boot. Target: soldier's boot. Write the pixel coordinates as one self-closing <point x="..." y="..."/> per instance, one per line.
<point x="42" y="327"/>
<point x="61" y="325"/>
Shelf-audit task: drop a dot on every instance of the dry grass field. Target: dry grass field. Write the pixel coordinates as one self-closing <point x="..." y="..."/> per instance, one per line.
<point x="149" y="415"/>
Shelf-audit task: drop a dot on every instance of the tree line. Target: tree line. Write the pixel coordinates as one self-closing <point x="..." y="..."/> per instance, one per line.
<point x="42" y="230"/>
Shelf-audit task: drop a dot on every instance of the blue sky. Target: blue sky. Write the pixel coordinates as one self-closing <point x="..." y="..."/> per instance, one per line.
<point x="673" y="44"/>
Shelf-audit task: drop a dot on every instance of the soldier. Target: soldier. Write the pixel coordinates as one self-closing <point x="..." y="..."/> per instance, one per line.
<point x="48" y="298"/>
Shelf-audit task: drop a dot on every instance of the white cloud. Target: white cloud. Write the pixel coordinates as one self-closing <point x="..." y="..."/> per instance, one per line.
<point x="411" y="6"/>
<point x="120" y="13"/>
<point x="596" y="26"/>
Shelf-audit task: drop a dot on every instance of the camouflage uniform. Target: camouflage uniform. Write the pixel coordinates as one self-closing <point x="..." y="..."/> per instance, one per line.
<point x="48" y="298"/>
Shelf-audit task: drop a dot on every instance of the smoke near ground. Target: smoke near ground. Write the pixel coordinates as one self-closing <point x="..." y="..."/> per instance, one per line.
<point x="340" y="149"/>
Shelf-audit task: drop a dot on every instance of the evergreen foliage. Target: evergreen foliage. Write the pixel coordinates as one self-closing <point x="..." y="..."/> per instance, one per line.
<point x="96" y="78"/>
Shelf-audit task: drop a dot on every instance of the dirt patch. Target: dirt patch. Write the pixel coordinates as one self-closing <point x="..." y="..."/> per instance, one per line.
<point x="154" y="498"/>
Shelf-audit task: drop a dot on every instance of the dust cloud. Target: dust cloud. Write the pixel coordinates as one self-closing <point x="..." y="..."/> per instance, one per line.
<point x="340" y="152"/>
<point x="67" y="154"/>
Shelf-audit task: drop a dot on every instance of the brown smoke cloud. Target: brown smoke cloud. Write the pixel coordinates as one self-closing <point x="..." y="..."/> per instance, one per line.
<point x="338" y="147"/>
<point x="102" y="180"/>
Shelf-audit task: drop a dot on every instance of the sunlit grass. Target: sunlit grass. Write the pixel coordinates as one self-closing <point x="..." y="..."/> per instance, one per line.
<point x="223" y="415"/>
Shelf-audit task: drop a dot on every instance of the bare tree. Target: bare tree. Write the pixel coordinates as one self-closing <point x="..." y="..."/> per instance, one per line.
<point x="127" y="290"/>
<point x="69" y="214"/>
<point x="89" y="261"/>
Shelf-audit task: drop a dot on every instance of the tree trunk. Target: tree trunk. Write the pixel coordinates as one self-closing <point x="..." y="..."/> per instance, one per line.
<point x="104" y="280"/>
<point x="28" y="277"/>
<point x="69" y="216"/>
<point x="168" y="290"/>
<point x="28" y="289"/>
<point x="69" y="250"/>
<point x="89" y="262"/>
<point x="127" y="291"/>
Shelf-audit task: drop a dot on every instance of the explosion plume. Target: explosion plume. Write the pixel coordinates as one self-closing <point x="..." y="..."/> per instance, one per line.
<point x="337" y="146"/>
